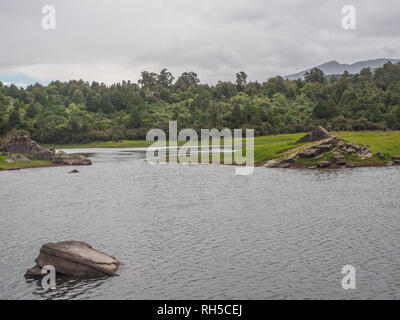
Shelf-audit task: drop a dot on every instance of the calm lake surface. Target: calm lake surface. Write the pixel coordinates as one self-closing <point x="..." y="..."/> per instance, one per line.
<point x="201" y="232"/>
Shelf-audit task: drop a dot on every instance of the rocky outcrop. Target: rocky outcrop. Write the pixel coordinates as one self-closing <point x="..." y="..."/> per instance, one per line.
<point x="23" y="144"/>
<point x="70" y="159"/>
<point x="360" y="151"/>
<point x="323" y="146"/>
<point x="331" y="152"/>
<point x="75" y="259"/>
<point x="317" y="134"/>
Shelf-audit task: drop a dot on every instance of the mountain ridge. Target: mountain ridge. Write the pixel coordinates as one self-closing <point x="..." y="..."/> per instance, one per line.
<point x="334" y="67"/>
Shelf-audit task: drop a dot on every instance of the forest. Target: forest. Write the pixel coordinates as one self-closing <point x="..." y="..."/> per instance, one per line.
<point x="78" y="111"/>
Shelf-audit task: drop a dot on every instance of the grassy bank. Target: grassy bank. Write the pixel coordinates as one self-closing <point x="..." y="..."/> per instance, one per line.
<point x="4" y="165"/>
<point x="270" y="147"/>
<point x="386" y="142"/>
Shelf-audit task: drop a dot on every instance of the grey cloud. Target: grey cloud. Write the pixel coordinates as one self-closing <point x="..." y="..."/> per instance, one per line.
<point x="214" y="38"/>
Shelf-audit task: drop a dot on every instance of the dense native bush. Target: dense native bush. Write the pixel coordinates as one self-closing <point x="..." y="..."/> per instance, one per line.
<point x="78" y="111"/>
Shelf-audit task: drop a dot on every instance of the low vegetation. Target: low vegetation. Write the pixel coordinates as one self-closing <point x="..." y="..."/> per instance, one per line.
<point x="4" y="165"/>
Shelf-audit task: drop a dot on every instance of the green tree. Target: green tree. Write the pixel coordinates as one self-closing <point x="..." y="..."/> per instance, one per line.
<point x="14" y="119"/>
<point x="241" y="80"/>
<point x="165" y="78"/>
<point x="32" y="110"/>
<point x="315" y="75"/>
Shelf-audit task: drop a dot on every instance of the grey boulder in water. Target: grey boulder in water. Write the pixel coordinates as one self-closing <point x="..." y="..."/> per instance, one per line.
<point x="70" y="159"/>
<point x="75" y="259"/>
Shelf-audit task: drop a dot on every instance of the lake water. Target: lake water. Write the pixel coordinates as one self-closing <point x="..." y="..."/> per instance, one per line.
<point x="201" y="232"/>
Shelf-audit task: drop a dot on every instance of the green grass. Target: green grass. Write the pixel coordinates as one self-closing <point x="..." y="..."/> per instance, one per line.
<point x="270" y="147"/>
<point x="386" y="142"/>
<point x="4" y="165"/>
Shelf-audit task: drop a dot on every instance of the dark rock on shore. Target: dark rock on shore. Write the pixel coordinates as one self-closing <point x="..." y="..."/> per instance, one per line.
<point x="339" y="159"/>
<point x="396" y="159"/>
<point x="364" y="152"/>
<point x="75" y="259"/>
<point x="23" y="144"/>
<point x="17" y="158"/>
<point x="317" y="134"/>
<point x="324" y="146"/>
<point x="380" y="155"/>
<point x="324" y="164"/>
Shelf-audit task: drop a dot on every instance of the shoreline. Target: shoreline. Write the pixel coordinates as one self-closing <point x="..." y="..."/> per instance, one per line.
<point x="30" y="166"/>
<point x="277" y="147"/>
<point x="256" y="165"/>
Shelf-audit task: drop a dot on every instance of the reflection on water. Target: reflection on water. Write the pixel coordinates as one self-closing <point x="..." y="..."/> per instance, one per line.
<point x="201" y="232"/>
<point x="66" y="288"/>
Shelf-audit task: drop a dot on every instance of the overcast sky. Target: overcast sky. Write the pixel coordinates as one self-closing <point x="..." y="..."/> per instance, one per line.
<point x="114" y="40"/>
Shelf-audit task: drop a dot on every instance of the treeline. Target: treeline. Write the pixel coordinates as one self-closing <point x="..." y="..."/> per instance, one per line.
<point x="77" y="111"/>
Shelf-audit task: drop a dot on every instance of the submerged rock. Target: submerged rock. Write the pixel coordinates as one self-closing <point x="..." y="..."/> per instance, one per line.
<point x="317" y="134"/>
<point x="74" y="258"/>
<point x="70" y="159"/>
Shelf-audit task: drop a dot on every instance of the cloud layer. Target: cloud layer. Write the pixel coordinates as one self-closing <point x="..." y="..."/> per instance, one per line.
<point x="115" y="40"/>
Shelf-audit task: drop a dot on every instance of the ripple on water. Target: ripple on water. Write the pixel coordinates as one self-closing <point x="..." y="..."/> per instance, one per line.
<point x="200" y="232"/>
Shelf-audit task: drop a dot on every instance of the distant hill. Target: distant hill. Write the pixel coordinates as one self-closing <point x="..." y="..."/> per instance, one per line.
<point x="334" y="67"/>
